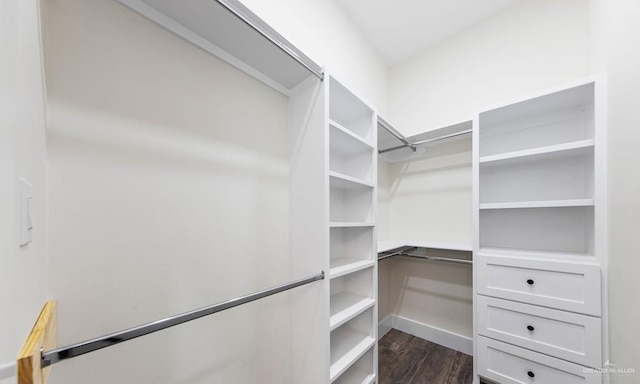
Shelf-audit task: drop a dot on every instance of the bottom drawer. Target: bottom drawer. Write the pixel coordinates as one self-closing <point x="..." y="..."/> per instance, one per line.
<point x="508" y="364"/>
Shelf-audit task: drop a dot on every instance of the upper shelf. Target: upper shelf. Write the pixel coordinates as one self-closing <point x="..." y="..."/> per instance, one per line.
<point x="393" y="149"/>
<point x="388" y="245"/>
<point x="230" y="31"/>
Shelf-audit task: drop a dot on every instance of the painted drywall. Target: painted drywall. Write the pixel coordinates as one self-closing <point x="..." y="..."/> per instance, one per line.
<point x="428" y="198"/>
<point x="324" y="32"/>
<point x="528" y="46"/>
<point x="614" y="33"/>
<point x="169" y="191"/>
<point x="23" y="270"/>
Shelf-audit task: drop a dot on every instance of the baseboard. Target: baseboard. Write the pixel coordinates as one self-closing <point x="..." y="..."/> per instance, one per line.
<point x="448" y="339"/>
<point x="385" y="326"/>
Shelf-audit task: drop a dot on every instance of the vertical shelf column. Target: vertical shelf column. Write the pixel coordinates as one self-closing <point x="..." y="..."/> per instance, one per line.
<point x="351" y="175"/>
<point x="540" y="236"/>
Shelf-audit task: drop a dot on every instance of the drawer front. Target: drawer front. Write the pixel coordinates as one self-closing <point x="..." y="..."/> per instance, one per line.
<point x="507" y="364"/>
<point x="569" y="336"/>
<point x="566" y="286"/>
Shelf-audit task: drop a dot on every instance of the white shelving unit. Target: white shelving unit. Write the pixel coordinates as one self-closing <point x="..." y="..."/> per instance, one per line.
<point x="539" y="215"/>
<point x="352" y="258"/>
<point x="333" y="176"/>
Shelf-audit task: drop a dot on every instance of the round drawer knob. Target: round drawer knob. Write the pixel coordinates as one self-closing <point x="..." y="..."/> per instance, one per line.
<point x="531" y="328"/>
<point x="531" y="374"/>
<point x="530" y="282"/>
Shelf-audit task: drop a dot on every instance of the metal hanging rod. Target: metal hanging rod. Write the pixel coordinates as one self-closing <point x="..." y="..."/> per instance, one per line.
<point x="468" y="131"/>
<point x="257" y="24"/>
<point x="437" y="258"/>
<point x="414" y="144"/>
<point x="384" y="124"/>
<point x="405" y="252"/>
<point x="59" y="354"/>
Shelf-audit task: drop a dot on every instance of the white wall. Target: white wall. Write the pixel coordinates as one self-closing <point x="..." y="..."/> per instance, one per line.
<point x="23" y="270"/>
<point x="526" y="47"/>
<point x="324" y="32"/>
<point x="614" y="39"/>
<point x="168" y="192"/>
<point x="430" y="196"/>
<point x="428" y="199"/>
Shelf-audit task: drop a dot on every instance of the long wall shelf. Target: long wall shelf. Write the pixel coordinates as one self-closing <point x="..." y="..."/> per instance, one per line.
<point x="389" y="245"/>
<point x="230" y="31"/>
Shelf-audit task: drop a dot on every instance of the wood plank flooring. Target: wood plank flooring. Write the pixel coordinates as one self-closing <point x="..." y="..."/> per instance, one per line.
<point x="406" y="359"/>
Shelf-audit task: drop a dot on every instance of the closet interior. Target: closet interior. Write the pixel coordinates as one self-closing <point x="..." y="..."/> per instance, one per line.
<point x="487" y="237"/>
<point x="425" y="249"/>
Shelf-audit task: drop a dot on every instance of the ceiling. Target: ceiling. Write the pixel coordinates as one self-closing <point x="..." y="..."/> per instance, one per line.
<point x="400" y="29"/>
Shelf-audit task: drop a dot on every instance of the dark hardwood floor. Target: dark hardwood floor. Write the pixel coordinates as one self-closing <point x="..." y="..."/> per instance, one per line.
<point x="406" y="359"/>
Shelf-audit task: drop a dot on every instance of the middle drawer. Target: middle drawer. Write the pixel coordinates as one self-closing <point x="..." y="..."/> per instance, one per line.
<point x="569" y="336"/>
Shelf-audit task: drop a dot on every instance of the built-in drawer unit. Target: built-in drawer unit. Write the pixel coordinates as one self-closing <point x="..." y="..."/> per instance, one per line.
<point x="567" y="286"/>
<point x="508" y="364"/>
<point x="569" y="336"/>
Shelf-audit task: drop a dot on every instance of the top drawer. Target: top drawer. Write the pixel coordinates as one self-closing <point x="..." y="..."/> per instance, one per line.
<point x="567" y="286"/>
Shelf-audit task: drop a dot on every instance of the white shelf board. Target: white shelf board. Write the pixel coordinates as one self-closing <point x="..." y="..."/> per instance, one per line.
<point x="539" y="204"/>
<point x="355" y="375"/>
<point x="351" y="347"/>
<point x="350" y="224"/>
<point x="212" y="27"/>
<point x="534" y="254"/>
<point x="341" y="266"/>
<point x="343" y="181"/>
<point x="349" y="139"/>
<point x="345" y="306"/>
<point x="345" y="106"/>
<point x="572" y="148"/>
<point x="388" y="245"/>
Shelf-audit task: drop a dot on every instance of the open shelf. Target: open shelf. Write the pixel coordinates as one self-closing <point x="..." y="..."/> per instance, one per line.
<point x="345" y="142"/>
<point x="361" y="372"/>
<point x="350" y="342"/>
<point x="542" y="153"/>
<point x="564" y="229"/>
<point x="351" y="294"/>
<point x="562" y="117"/>
<point x="342" y="266"/>
<point x="539" y="204"/>
<point x="341" y="181"/>
<point x="348" y="111"/>
<point x="350" y="205"/>
<point x="539" y="178"/>
<point x="350" y="245"/>
<point x="345" y="306"/>
<point x="358" y="164"/>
